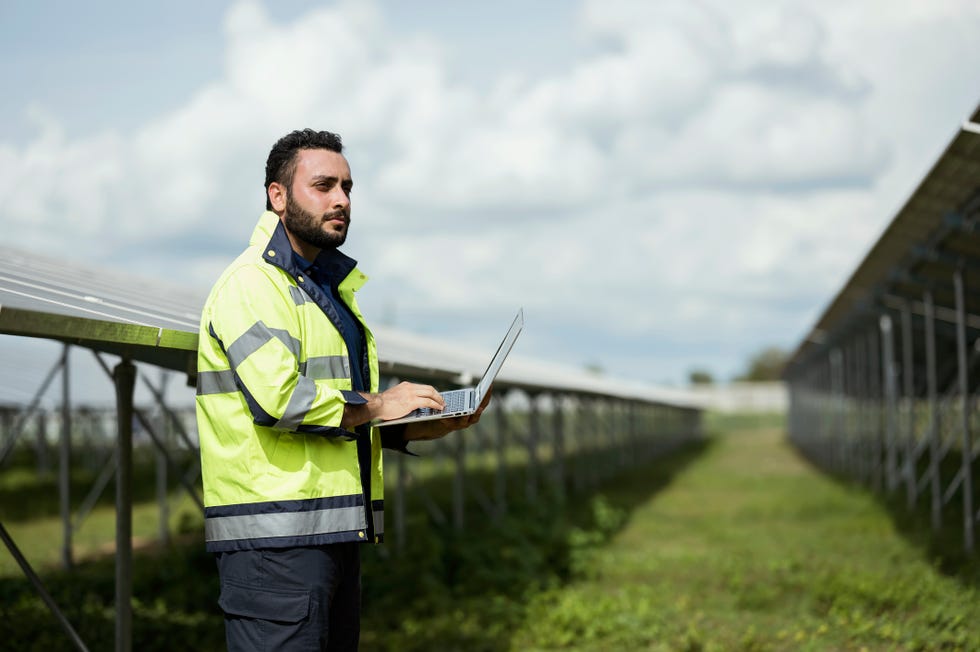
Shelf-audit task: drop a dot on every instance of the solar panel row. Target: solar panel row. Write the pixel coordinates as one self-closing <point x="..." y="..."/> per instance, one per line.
<point x="936" y="232"/>
<point x="157" y="323"/>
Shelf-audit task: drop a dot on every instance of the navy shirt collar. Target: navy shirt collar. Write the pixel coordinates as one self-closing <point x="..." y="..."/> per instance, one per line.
<point x="333" y="265"/>
<point x="330" y="268"/>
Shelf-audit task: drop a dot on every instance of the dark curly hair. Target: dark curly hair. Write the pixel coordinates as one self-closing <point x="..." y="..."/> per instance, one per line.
<point x="281" y="164"/>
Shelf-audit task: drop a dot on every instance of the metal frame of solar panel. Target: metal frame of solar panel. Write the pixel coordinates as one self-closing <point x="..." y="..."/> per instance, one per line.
<point x="883" y="387"/>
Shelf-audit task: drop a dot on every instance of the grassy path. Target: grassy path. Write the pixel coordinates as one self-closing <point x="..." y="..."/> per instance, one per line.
<point x="749" y="548"/>
<point x="738" y="546"/>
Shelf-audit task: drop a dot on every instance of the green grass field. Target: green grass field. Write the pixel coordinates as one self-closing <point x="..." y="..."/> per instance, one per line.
<point x="734" y="544"/>
<point x="750" y="549"/>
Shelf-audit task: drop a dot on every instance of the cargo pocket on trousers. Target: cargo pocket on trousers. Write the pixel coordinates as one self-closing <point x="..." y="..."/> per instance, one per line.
<point x="277" y="605"/>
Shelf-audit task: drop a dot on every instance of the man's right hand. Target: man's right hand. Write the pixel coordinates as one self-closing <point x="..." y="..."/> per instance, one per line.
<point x="393" y="403"/>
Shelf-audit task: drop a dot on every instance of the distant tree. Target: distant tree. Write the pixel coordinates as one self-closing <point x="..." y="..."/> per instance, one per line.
<point x="700" y="377"/>
<point x="765" y="365"/>
<point x="594" y="369"/>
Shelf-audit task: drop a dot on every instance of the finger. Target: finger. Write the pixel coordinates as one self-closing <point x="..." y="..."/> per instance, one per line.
<point x="431" y="393"/>
<point x="431" y="403"/>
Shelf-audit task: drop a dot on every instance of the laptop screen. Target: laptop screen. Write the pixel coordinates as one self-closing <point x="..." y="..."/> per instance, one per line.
<point x="498" y="358"/>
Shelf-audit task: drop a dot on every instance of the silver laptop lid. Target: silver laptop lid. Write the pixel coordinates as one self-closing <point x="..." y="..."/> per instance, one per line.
<point x="498" y="358"/>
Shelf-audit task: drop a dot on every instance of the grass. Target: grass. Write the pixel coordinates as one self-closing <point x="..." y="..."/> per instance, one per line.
<point x="734" y="544"/>
<point x="29" y="509"/>
<point x="751" y="549"/>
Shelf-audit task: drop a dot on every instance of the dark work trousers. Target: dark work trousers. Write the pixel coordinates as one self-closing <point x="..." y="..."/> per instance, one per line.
<point x="291" y="599"/>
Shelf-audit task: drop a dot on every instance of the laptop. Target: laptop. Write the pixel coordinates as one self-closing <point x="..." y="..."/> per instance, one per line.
<point x="461" y="402"/>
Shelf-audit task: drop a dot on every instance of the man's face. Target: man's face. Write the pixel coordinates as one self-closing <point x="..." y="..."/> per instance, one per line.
<point x="318" y="202"/>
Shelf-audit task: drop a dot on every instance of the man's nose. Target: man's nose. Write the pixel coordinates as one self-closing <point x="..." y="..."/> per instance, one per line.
<point x="340" y="199"/>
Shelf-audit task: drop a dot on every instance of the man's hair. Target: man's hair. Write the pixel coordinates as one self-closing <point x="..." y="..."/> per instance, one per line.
<point x="280" y="167"/>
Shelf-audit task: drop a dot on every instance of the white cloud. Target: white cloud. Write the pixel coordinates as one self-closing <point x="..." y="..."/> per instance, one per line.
<point x="701" y="172"/>
<point x="54" y="182"/>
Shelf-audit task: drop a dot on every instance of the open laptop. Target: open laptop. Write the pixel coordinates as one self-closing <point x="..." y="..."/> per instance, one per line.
<point x="461" y="402"/>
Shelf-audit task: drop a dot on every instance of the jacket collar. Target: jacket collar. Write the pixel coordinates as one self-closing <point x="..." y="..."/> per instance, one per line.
<point x="271" y="234"/>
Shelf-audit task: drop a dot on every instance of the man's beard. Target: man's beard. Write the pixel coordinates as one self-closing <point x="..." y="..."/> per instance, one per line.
<point x="309" y="227"/>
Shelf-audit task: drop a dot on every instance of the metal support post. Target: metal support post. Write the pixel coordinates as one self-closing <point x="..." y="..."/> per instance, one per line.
<point x="459" y="482"/>
<point x="64" y="463"/>
<point x="125" y="379"/>
<point x="967" y="439"/>
<point x="6" y="423"/>
<point x="162" y="462"/>
<point x="533" y="425"/>
<point x="862" y="395"/>
<point x="875" y="409"/>
<point x="500" y="481"/>
<point x="400" y="489"/>
<point x="581" y="448"/>
<point x="592" y="461"/>
<point x="43" y="453"/>
<point x="817" y="412"/>
<point x="622" y="434"/>
<point x="850" y="403"/>
<point x="908" y="381"/>
<point x="837" y="390"/>
<point x="891" y="401"/>
<point x="559" y="446"/>
<point x="937" y="497"/>
<point x="605" y="437"/>
<point x="631" y="432"/>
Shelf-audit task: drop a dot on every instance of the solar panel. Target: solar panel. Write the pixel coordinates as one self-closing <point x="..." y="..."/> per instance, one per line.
<point x="101" y="310"/>
<point x="157" y="323"/>
<point x="936" y="218"/>
<point x="58" y="287"/>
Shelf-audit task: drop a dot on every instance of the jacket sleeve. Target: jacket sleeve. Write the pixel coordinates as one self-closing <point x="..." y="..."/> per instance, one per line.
<point x="253" y="321"/>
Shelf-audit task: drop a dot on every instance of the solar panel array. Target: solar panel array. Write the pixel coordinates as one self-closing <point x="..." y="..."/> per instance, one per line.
<point x="936" y="233"/>
<point x="59" y="287"/>
<point x="884" y="388"/>
<point x="157" y="323"/>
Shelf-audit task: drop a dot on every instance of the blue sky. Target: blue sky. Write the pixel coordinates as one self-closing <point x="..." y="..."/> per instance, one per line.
<point x="664" y="186"/>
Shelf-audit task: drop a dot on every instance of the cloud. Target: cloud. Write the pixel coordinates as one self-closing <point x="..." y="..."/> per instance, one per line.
<point x="696" y="173"/>
<point x="54" y="182"/>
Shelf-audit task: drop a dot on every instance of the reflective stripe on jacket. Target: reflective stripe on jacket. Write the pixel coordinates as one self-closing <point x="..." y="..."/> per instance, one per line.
<point x="273" y="379"/>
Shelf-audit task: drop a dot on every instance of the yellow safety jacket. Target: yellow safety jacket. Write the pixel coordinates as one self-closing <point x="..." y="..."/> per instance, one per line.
<point x="273" y="379"/>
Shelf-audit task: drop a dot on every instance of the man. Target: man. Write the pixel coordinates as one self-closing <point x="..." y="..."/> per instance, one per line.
<point x="286" y="395"/>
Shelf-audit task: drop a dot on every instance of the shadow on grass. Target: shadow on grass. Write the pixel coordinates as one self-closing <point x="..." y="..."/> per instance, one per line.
<point x="467" y="590"/>
<point x="448" y="590"/>
<point x="943" y="547"/>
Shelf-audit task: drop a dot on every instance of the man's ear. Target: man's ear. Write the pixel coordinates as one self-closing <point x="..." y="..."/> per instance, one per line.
<point x="277" y="196"/>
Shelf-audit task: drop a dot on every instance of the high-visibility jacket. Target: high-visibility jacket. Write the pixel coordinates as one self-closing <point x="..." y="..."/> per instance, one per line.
<point x="273" y="379"/>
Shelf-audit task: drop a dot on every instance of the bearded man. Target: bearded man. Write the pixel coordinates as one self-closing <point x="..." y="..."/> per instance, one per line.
<point x="287" y="391"/>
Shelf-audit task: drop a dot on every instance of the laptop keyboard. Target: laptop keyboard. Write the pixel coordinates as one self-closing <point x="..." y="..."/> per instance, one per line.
<point x="456" y="401"/>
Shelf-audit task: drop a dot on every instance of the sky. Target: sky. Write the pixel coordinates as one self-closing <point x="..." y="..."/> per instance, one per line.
<point x="663" y="186"/>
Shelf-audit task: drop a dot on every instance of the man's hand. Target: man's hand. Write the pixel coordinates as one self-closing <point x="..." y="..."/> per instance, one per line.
<point x="438" y="428"/>
<point x="393" y="403"/>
